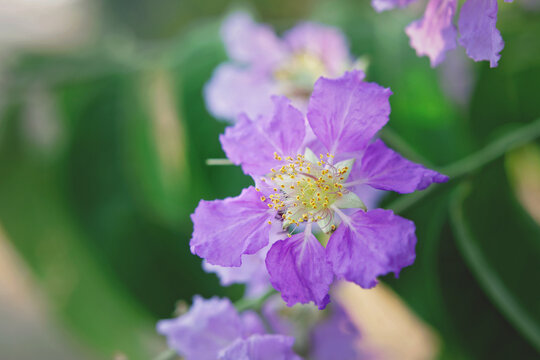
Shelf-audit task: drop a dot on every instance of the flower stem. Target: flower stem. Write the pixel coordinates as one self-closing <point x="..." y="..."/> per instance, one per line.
<point x="474" y="161"/>
<point x="168" y="354"/>
<point x="492" y="151"/>
<point x="254" y="304"/>
<point x="213" y="162"/>
<point x="400" y="145"/>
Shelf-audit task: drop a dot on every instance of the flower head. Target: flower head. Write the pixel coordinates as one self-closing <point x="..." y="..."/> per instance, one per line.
<point x="213" y="329"/>
<point x="305" y="193"/>
<point x="321" y="335"/>
<point x="263" y="65"/>
<point x="434" y="34"/>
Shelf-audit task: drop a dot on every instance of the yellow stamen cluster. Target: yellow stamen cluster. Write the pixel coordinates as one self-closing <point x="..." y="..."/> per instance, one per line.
<point x="305" y="190"/>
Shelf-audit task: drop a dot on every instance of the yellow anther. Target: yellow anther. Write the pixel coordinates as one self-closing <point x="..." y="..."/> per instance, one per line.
<point x="263" y="198"/>
<point x="289" y="235"/>
<point x="270" y="205"/>
<point x="333" y="227"/>
<point x="257" y="189"/>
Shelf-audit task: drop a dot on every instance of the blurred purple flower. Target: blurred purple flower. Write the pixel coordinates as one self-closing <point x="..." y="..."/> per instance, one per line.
<point x="213" y="329"/>
<point x="335" y="337"/>
<point x="263" y="65"/>
<point x="322" y="335"/>
<point x="303" y="192"/>
<point x="434" y="34"/>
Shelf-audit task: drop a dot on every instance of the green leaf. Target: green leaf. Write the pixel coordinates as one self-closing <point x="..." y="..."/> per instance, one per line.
<point x="501" y="245"/>
<point x="80" y="289"/>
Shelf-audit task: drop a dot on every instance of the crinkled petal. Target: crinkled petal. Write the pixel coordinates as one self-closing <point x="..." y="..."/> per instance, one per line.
<point x="383" y="5"/>
<point x="346" y="113"/>
<point x="478" y="34"/>
<point x="207" y="328"/>
<point x="253" y="271"/>
<point x="384" y="169"/>
<point x="324" y="42"/>
<point x="261" y="347"/>
<point x="226" y="229"/>
<point x="336" y="337"/>
<point x="299" y="269"/>
<point x="434" y="34"/>
<point x="252" y="144"/>
<point x="369" y="244"/>
<point x="233" y="90"/>
<point x="249" y="42"/>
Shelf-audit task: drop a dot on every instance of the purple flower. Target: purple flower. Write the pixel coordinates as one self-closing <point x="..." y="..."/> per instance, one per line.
<point x="263" y="65"/>
<point x="253" y="271"/>
<point x="305" y="193"/>
<point x="322" y="335"/>
<point x="213" y="329"/>
<point x="434" y="34"/>
<point x="335" y="337"/>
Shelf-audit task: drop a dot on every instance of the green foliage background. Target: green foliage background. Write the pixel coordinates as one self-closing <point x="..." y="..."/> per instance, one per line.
<point x="102" y="219"/>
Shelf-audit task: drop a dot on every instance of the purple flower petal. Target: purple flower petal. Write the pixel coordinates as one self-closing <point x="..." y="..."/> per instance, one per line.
<point x="383" y="5"/>
<point x="201" y="333"/>
<point x="434" y="34"/>
<point x="299" y="269"/>
<point x="346" y="113"/>
<point x="249" y="42"/>
<point x="233" y="90"/>
<point x="252" y="143"/>
<point x="251" y="324"/>
<point x="261" y="347"/>
<point x="370" y="197"/>
<point x="479" y="36"/>
<point x="369" y="244"/>
<point x="226" y="229"/>
<point x="336" y="337"/>
<point x="252" y="272"/>
<point x="384" y="169"/>
<point x="324" y="42"/>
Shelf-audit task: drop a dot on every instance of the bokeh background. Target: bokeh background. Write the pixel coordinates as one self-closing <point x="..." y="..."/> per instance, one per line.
<point x="104" y="136"/>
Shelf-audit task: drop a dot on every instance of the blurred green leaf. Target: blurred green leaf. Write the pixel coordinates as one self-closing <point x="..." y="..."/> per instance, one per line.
<point x="507" y="268"/>
<point x="40" y="223"/>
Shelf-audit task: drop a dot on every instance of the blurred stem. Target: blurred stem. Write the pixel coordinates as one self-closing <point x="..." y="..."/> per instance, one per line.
<point x="254" y="304"/>
<point x="212" y="162"/>
<point x="396" y="142"/>
<point x="474" y="161"/>
<point x="492" y="151"/>
<point x="168" y="354"/>
<point x="241" y="305"/>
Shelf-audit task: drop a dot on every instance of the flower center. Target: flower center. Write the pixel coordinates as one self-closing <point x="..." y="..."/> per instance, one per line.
<point x="297" y="75"/>
<point x="307" y="188"/>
